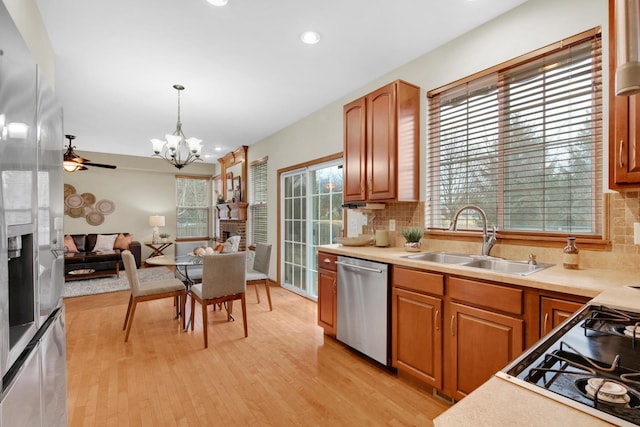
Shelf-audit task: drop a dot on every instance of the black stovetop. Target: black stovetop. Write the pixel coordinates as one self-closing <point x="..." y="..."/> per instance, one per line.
<point x="592" y="344"/>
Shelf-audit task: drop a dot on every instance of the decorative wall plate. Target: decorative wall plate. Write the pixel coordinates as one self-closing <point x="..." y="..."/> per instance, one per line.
<point x="76" y="212"/>
<point x="69" y="190"/>
<point x="105" y="206"/>
<point x="88" y="198"/>
<point x="74" y="201"/>
<point x="95" y="218"/>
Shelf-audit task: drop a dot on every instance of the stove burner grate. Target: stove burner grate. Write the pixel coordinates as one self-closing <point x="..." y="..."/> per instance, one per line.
<point x="598" y="390"/>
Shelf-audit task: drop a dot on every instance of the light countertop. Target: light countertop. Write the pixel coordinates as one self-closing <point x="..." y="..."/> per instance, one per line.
<point x="499" y="402"/>
<point x="583" y="282"/>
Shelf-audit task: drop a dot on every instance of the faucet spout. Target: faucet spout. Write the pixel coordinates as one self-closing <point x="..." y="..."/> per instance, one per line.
<point x="488" y="240"/>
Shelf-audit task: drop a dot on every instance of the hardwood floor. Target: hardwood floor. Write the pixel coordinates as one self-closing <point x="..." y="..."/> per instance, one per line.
<point x="285" y="373"/>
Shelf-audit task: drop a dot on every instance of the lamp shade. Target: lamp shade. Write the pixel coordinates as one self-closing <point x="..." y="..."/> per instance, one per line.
<point x="156" y="221"/>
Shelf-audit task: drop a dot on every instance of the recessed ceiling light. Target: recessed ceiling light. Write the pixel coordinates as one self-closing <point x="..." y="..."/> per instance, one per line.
<point x="310" y="37"/>
<point x="218" y="2"/>
<point x="218" y="148"/>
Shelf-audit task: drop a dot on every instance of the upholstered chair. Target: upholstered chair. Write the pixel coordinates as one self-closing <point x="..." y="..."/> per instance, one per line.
<point x="223" y="281"/>
<point x="149" y="290"/>
<point x="259" y="271"/>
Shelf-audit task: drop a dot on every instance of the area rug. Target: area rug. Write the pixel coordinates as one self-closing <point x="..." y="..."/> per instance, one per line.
<point x="76" y="288"/>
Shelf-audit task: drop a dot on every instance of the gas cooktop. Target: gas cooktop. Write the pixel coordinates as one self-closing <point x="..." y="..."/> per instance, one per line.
<point x="592" y="363"/>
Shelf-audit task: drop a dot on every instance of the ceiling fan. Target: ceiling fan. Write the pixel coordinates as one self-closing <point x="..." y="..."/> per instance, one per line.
<point x="72" y="162"/>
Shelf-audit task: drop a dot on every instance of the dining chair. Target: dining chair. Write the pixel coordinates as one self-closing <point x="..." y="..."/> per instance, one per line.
<point x="259" y="271"/>
<point x="149" y="290"/>
<point x="224" y="280"/>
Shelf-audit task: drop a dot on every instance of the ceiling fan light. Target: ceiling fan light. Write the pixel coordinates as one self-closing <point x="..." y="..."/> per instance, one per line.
<point x="70" y="166"/>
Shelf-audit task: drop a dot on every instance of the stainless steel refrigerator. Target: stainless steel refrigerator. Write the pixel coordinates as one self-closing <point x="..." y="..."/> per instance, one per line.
<point x="32" y="334"/>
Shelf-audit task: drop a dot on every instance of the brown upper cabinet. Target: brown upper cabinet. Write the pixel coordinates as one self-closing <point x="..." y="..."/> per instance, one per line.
<point x="624" y="125"/>
<point x="382" y="145"/>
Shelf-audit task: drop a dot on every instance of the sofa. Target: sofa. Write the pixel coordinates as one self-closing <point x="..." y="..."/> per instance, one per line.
<point x="98" y="252"/>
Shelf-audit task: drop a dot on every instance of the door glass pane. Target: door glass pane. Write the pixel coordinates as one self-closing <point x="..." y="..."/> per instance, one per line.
<point x="311" y="218"/>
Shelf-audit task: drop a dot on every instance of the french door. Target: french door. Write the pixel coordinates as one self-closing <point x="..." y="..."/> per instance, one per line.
<point x="311" y="209"/>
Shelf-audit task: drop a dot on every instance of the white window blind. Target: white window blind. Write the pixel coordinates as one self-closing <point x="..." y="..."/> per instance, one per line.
<point x="258" y="203"/>
<point x="523" y="142"/>
<point x="193" y="201"/>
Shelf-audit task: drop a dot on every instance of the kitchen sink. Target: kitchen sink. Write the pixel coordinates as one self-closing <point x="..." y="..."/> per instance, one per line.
<point x="441" y="257"/>
<point x="521" y="268"/>
<point x="499" y="265"/>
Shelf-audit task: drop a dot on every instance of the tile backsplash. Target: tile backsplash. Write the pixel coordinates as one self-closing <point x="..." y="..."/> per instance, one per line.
<point x="621" y="209"/>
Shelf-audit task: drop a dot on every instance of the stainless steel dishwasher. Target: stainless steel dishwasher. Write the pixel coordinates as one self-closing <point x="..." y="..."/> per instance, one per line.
<point x="363" y="307"/>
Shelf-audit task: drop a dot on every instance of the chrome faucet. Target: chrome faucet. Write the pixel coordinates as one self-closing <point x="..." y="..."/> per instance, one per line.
<point x="488" y="240"/>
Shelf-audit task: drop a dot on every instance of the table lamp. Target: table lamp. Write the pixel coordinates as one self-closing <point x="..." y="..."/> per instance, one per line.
<point x="156" y="221"/>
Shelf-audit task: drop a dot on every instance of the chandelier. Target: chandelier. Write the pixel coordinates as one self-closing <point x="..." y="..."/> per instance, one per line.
<point x="176" y="148"/>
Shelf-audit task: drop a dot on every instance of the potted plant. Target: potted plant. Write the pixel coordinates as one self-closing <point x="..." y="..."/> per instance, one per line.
<point x="413" y="235"/>
<point x="164" y="237"/>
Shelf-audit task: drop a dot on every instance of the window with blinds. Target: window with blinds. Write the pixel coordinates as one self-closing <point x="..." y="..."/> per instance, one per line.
<point x="523" y="141"/>
<point x="258" y="202"/>
<point x="193" y="201"/>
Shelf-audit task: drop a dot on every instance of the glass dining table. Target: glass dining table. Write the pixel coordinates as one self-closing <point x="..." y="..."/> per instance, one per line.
<point x="182" y="264"/>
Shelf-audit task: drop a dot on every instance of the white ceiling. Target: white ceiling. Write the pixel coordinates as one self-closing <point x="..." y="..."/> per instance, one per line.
<point x="246" y="73"/>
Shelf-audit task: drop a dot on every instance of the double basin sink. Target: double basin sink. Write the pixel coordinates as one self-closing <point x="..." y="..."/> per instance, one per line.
<point x="499" y="265"/>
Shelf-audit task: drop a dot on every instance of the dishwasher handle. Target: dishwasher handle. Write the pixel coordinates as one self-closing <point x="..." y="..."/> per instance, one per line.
<point x="359" y="267"/>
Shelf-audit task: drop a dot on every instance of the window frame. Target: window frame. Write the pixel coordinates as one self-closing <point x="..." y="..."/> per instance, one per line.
<point x="261" y="204"/>
<point x="533" y="238"/>
<point x="207" y="208"/>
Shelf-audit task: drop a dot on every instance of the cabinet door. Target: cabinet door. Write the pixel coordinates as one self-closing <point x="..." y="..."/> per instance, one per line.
<point x="554" y="311"/>
<point x="417" y="335"/>
<point x="624" y="125"/>
<point x="481" y="343"/>
<point x="626" y="153"/>
<point x="355" y="146"/>
<point x="381" y="144"/>
<point x="327" y="296"/>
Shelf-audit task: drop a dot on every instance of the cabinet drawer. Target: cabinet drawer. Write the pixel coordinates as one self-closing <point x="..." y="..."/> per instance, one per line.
<point x="419" y="281"/>
<point x="498" y="297"/>
<point x="327" y="261"/>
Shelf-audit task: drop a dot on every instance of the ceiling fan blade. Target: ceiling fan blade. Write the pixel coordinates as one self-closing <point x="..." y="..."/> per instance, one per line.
<point x="99" y="165"/>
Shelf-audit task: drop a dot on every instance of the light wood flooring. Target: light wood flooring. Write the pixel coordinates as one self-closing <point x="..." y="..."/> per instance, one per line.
<point x="286" y="373"/>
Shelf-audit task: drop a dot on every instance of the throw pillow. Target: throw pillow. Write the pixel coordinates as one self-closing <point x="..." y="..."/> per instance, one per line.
<point x="219" y="247"/>
<point x="105" y="242"/>
<point x="123" y="242"/>
<point x="231" y="244"/>
<point x="69" y="244"/>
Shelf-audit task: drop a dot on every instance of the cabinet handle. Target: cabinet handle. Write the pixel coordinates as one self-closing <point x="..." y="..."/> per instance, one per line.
<point x="620" y="153"/>
<point x="453" y="332"/>
<point x="437" y="320"/>
<point x="544" y="324"/>
<point x="335" y="286"/>
<point x="326" y="260"/>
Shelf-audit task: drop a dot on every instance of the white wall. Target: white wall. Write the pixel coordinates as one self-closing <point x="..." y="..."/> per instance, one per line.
<point x="139" y="187"/>
<point x="27" y="18"/>
<point x="533" y="25"/>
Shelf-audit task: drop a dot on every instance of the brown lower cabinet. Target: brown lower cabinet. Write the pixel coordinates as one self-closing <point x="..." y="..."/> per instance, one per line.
<point x="327" y="292"/>
<point x="417" y="304"/>
<point x="554" y="311"/>
<point x="454" y="333"/>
